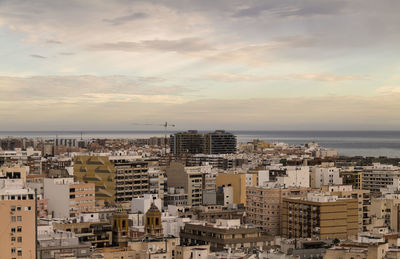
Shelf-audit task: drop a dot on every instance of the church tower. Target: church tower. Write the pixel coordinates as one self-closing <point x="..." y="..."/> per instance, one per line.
<point x="153" y="224"/>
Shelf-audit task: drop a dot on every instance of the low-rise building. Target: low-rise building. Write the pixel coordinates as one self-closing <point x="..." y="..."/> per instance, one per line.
<point x="224" y="234"/>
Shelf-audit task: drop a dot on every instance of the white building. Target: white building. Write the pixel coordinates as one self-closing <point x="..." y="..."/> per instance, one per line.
<point x="321" y="176"/>
<point x="141" y="205"/>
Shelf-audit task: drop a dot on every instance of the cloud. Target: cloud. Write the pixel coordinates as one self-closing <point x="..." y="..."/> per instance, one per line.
<point x="180" y="45"/>
<point x="326" y="77"/>
<point x="388" y="90"/>
<point x="92" y="88"/>
<point x="38" y="56"/>
<point x="53" y="42"/>
<point x="301" y="9"/>
<point x="67" y="53"/>
<point x="127" y="18"/>
<point x="232" y="77"/>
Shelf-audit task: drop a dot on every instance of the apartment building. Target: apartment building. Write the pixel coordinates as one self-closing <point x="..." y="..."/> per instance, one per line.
<point x="14" y="171"/>
<point x="190" y="142"/>
<point x="157" y="181"/>
<point x="379" y="176"/>
<point x="386" y="210"/>
<point x="98" y="234"/>
<point x="67" y="198"/>
<point x="288" y="176"/>
<point x="363" y="199"/>
<point x="188" y="178"/>
<point x="353" y="178"/>
<point x="238" y="183"/>
<point x="17" y="216"/>
<point x="100" y="171"/>
<point x="321" y="176"/>
<point x="263" y="206"/>
<point x="320" y="216"/>
<point x="193" y="142"/>
<point x="131" y="178"/>
<point x="224" y="234"/>
<point x="220" y="142"/>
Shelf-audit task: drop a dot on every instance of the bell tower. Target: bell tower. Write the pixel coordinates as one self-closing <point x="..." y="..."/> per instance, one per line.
<point x="153" y="224"/>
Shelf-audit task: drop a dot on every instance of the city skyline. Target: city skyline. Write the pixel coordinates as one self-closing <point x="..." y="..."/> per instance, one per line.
<point x="261" y="65"/>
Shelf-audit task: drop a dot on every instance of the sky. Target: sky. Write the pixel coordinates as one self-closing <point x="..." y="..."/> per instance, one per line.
<point x="204" y="64"/>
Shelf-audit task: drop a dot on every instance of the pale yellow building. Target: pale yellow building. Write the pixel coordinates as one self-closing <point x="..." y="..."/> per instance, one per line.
<point x="17" y="217"/>
<point x="238" y="183"/>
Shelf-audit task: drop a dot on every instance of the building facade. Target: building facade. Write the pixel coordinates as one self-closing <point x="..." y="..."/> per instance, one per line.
<point x="319" y="216"/>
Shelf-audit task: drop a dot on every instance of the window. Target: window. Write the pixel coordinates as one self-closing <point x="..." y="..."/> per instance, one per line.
<point x="12" y="239"/>
<point x="19" y="251"/>
<point x="12" y="218"/>
<point x="12" y="208"/>
<point x="19" y="239"/>
<point x="13" y="250"/>
<point x="19" y="208"/>
<point x="19" y="229"/>
<point x="19" y="218"/>
<point x="12" y="230"/>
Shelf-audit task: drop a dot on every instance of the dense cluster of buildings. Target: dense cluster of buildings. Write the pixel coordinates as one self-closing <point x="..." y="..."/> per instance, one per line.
<point x="194" y="195"/>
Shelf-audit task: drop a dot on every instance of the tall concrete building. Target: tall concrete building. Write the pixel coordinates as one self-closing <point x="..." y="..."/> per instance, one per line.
<point x="193" y="142"/>
<point x="319" y="216"/>
<point x="219" y="142"/>
<point x="190" y="142"/>
<point x="100" y="171"/>
<point x="17" y="217"/>
<point x="131" y="178"/>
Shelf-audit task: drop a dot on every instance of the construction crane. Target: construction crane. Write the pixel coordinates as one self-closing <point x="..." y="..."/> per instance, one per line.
<point x="165" y="125"/>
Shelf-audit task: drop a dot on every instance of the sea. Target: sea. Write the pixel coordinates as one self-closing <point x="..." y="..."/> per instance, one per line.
<point x="347" y="143"/>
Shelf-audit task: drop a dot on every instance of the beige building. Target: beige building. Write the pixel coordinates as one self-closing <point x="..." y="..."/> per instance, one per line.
<point x="17" y="216"/>
<point x="14" y="171"/>
<point x="363" y="199"/>
<point x="195" y="252"/>
<point x="188" y="178"/>
<point x="358" y="250"/>
<point x="238" y="183"/>
<point x="155" y="248"/>
<point x="100" y="171"/>
<point x="114" y="252"/>
<point x="319" y="216"/>
<point x="264" y="204"/>
<point x="224" y="234"/>
<point x="386" y="210"/>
